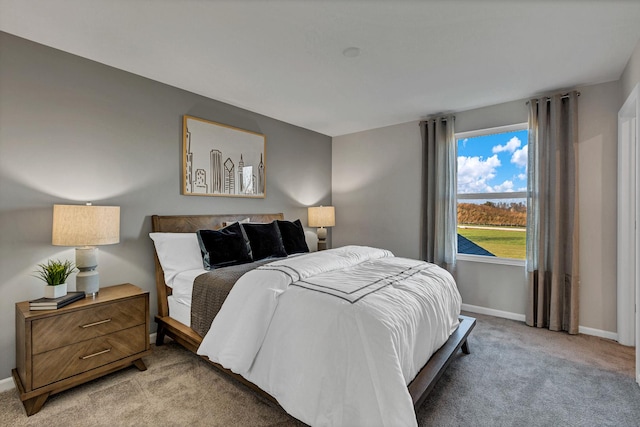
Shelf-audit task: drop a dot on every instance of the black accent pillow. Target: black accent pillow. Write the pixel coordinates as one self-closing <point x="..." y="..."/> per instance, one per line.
<point x="224" y="247"/>
<point x="293" y="237"/>
<point x="265" y="240"/>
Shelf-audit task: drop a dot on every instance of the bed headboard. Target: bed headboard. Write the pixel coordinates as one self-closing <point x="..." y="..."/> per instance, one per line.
<point x="191" y="224"/>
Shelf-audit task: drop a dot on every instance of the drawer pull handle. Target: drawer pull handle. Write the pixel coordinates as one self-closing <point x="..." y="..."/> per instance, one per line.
<point x="95" y="323"/>
<point x="95" y="354"/>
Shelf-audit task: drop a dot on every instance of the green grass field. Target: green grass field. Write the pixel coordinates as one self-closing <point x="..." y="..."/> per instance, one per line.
<point x="501" y="243"/>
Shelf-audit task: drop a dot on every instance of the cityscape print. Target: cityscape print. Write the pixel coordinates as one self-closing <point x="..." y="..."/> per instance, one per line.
<point x="222" y="161"/>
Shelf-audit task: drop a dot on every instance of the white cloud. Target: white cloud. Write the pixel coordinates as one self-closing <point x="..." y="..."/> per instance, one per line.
<point x="519" y="157"/>
<point x="522" y="176"/>
<point x="510" y="146"/>
<point x="474" y="172"/>
<point x="505" y="187"/>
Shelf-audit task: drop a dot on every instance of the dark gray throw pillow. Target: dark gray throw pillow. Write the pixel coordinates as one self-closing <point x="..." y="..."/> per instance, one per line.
<point x="265" y="240"/>
<point x="224" y="247"/>
<point x="293" y="237"/>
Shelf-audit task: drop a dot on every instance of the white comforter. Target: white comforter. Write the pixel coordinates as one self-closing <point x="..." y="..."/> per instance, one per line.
<point x="336" y="336"/>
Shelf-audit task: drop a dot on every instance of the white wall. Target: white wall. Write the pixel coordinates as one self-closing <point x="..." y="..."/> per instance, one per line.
<point x="73" y="130"/>
<point x="371" y="160"/>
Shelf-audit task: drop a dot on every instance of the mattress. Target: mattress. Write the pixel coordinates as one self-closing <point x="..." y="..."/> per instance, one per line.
<point x="180" y="299"/>
<point x="179" y="310"/>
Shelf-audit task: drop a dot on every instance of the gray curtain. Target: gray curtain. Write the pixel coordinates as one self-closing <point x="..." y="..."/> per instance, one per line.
<point x="552" y="214"/>
<point x="439" y="232"/>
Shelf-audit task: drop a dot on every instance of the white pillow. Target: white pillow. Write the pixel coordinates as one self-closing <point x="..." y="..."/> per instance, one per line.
<point x="177" y="252"/>
<point x="312" y="240"/>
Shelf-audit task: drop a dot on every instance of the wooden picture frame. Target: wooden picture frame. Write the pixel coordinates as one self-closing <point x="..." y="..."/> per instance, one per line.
<point x="222" y="160"/>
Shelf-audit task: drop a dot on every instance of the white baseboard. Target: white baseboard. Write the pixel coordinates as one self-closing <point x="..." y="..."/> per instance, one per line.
<point x="7" y="383"/>
<point x="493" y="312"/>
<point x="520" y="317"/>
<point x="598" y="333"/>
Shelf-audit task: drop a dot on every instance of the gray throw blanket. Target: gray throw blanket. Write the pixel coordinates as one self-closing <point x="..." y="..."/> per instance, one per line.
<point x="210" y="289"/>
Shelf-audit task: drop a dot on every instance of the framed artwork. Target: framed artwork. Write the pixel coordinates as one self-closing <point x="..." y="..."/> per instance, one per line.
<point x="221" y="160"/>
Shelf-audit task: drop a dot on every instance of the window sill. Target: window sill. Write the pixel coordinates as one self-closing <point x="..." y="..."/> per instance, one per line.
<point x="491" y="260"/>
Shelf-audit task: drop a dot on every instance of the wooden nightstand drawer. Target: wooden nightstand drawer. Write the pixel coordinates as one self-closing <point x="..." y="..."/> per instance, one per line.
<point x="74" y="359"/>
<point x="86" y="324"/>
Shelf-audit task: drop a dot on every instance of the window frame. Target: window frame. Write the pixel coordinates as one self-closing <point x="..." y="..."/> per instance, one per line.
<point x="498" y="195"/>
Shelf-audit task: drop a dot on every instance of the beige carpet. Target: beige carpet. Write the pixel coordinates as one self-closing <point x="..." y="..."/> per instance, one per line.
<point x="515" y="375"/>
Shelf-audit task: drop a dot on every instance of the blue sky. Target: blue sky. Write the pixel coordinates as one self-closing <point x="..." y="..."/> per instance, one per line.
<point x="493" y="163"/>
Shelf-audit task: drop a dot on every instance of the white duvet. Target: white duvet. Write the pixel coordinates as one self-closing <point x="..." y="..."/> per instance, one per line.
<point x="336" y="336"/>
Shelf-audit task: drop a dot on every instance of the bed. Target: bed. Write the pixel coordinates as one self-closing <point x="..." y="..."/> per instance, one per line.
<point x="252" y="361"/>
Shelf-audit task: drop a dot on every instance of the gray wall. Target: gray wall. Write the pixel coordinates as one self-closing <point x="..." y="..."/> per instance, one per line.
<point x="598" y="107"/>
<point x="376" y="191"/>
<point x="631" y="74"/>
<point x="73" y="130"/>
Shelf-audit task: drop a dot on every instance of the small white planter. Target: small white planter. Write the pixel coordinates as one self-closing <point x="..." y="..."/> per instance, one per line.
<point x="56" y="291"/>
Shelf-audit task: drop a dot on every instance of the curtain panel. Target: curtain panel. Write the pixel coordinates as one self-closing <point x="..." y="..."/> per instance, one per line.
<point x="439" y="220"/>
<point x="552" y="214"/>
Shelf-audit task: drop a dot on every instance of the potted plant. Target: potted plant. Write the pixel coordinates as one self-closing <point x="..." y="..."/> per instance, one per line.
<point x="55" y="273"/>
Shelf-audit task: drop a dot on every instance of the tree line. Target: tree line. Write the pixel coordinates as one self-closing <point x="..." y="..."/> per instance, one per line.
<point x="504" y="214"/>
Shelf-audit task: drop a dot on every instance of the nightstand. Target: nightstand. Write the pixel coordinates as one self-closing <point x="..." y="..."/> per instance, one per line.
<point x="60" y="349"/>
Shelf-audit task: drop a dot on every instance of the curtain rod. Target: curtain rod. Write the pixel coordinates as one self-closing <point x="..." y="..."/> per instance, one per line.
<point x="562" y="96"/>
<point x="442" y="119"/>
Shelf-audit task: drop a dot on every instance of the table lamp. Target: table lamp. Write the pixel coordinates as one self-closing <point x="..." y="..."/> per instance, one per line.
<point x="321" y="217"/>
<point x="85" y="227"/>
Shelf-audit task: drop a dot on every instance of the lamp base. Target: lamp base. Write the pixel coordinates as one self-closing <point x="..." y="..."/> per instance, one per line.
<point x="322" y="238"/>
<point x="88" y="279"/>
<point x="322" y="233"/>
<point x="88" y="282"/>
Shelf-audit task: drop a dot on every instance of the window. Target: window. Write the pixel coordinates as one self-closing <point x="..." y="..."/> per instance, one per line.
<point x="492" y="194"/>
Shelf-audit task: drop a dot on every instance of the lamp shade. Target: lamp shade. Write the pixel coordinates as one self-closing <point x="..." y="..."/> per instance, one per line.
<point x="322" y="216"/>
<point x="85" y="225"/>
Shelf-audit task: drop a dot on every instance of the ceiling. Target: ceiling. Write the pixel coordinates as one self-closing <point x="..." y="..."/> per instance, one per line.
<point x="284" y="58"/>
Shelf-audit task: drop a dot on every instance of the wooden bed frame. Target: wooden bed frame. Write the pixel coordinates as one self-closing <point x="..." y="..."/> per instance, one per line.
<point x="419" y="388"/>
